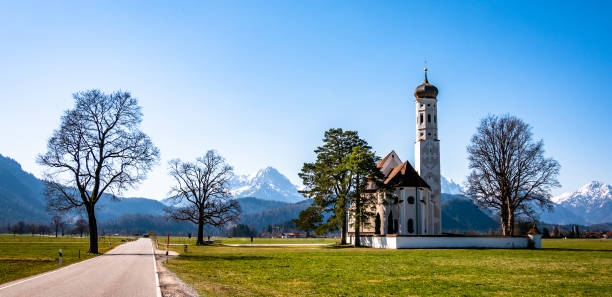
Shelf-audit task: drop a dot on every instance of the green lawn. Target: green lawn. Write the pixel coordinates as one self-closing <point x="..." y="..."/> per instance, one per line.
<point x="25" y="255"/>
<point x="246" y="240"/>
<point x="563" y="267"/>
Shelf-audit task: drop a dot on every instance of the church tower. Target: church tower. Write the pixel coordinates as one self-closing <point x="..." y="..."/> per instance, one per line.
<point x="427" y="149"/>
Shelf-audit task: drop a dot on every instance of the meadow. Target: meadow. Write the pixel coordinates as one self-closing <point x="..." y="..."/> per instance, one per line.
<point x="573" y="267"/>
<point x="26" y="255"/>
<point x="246" y="240"/>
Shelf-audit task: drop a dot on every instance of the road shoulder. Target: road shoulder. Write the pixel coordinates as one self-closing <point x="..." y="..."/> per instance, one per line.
<point x="170" y="284"/>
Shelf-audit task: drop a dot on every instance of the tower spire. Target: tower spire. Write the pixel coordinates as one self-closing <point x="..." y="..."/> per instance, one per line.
<point x="426" y="76"/>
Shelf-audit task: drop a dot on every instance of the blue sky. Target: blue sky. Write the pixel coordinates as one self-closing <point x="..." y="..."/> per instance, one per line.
<point x="261" y="81"/>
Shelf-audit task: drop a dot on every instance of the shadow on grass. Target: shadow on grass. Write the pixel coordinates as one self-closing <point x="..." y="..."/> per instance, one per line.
<point x="224" y="257"/>
<point x="573" y="250"/>
<point x="340" y="246"/>
<point x="28" y="260"/>
<point x="131" y="254"/>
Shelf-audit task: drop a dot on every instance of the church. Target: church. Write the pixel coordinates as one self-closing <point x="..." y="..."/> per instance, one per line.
<point x="413" y="206"/>
<point x="409" y="214"/>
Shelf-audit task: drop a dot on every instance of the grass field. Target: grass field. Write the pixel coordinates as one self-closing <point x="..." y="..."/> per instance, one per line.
<point x="25" y="255"/>
<point x="245" y="240"/>
<point x="563" y="267"/>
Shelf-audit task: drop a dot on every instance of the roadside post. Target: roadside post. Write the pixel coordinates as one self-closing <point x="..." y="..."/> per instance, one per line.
<point x="79" y="253"/>
<point x="167" y="246"/>
<point x="60" y="257"/>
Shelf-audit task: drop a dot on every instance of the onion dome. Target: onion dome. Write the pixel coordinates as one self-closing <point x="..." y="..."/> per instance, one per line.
<point x="426" y="90"/>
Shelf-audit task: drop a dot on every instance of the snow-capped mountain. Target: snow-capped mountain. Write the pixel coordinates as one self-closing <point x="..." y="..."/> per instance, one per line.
<point x="266" y="184"/>
<point x="591" y="204"/>
<point x="449" y="186"/>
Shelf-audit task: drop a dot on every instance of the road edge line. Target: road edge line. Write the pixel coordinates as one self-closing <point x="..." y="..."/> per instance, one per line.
<point x="17" y="282"/>
<point x="158" y="288"/>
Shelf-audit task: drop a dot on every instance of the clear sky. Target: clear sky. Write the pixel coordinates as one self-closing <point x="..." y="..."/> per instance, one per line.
<point x="261" y="81"/>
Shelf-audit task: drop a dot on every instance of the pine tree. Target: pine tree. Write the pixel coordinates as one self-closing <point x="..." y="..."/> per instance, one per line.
<point x="327" y="180"/>
<point x="361" y="164"/>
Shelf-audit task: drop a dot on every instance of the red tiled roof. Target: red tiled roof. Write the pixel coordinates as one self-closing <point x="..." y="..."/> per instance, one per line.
<point x="382" y="162"/>
<point x="404" y="175"/>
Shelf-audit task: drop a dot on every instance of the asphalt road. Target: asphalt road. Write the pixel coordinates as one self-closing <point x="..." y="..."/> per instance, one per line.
<point x="127" y="270"/>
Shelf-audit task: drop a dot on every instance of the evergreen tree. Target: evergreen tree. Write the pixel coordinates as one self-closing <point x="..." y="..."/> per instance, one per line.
<point x="327" y="180"/>
<point x="366" y="179"/>
<point x="308" y="219"/>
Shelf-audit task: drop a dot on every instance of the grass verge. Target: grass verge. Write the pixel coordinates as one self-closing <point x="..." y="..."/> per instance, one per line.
<point x="563" y="267"/>
<point x="24" y="255"/>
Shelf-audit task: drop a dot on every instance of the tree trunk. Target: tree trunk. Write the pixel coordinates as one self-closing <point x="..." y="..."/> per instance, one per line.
<point x="200" y="240"/>
<point x="507" y="221"/>
<point x="357" y="222"/>
<point x="510" y="223"/>
<point x="56" y="230"/>
<point x="93" y="230"/>
<point x="343" y="228"/>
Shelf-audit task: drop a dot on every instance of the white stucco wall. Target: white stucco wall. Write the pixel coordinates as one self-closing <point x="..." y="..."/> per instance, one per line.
<point x="423" y="242"/>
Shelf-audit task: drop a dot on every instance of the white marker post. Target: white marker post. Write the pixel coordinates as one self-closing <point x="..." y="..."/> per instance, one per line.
<point x="60" y="257"/>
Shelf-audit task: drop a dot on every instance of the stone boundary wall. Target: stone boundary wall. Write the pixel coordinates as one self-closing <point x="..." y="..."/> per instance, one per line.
<point x="450" y="242"/>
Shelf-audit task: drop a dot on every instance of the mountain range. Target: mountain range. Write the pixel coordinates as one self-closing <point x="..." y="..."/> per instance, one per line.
<point x="448" y="186"/>
<point x="266" y="184"/>
<point x="268" y="197"/>
<point x="591" y="204"/>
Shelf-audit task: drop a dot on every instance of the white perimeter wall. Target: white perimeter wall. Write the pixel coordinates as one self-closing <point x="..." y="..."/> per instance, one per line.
<point x="418" y="242"/>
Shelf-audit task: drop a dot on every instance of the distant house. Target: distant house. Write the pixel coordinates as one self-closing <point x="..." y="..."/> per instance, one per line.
<point x="288" y="235"/>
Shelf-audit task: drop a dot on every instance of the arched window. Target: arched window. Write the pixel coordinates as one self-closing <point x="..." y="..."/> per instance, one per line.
<point x="377" y="224"/>
<point x="435" y="118"/>
<point x="410" y="226"/>
<point x="421" y="119"/>
<point x="411" y="200"/>
<point x="429" y="118"/>
<point x="394" y="200"/>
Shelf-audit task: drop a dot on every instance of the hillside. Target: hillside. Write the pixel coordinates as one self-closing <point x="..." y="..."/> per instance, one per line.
<point x="461" y="215"/>
<point x="20" y="194"/>
<point x="250" y="205"/>
<point x="21" y="198"/>
<point x="275" y="215"/>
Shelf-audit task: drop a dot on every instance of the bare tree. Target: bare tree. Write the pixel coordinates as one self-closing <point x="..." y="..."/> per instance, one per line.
<point x="56" y="221"/>
<point x="81" y="226"/>
<point x="509" y="171"/>
<point x="201" y="193"/>
<point x="97" y="149"/>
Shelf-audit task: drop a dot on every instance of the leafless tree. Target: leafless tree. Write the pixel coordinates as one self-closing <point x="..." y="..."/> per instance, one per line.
<point x="201" y="193"/>
<point x="81" y="226"/>
<point x="56" y="222"/>
<point x="509" y="172"/>
<point x="97" y="149"/>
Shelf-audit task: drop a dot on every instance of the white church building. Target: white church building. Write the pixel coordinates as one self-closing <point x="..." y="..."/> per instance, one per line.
<point x="410" y="215"/>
